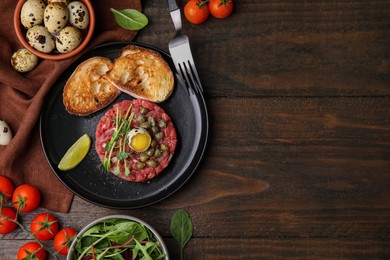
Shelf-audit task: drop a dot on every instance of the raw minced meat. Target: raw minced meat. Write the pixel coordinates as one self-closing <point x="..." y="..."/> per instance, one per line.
<point x="138" y="166"/>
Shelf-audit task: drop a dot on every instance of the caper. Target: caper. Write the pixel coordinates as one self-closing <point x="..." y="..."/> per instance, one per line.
<point x="144" y="110"/>
<point x="140" y="165"/>
<point x="152" y="163"/>
<point x="145" y="125"/>
<point x="152" y="121"/>
<point x="150" y="152"/>
<point x="162" y="123"/>
<point x="153" y="143"/>
<point x="143" y="157"/>
<point x="159" y="135"/>
<point x="141" y="119"/>
<point x="155" y="129"/>
<point x="163" y="147"/>
<point x="157" y="153"/>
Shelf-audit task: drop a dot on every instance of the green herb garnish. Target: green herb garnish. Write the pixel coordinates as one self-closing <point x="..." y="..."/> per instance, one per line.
<point x="113" y="237"/>
<point x="181" y="229"/>
<point x="118" y="140"/>
<point x="130" y="19"/>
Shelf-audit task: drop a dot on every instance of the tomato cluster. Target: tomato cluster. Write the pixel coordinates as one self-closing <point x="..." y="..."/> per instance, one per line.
<point x="44" y="226"/>
<point x="197" y="11"/>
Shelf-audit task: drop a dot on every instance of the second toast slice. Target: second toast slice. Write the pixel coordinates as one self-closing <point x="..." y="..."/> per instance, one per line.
<point x="142" y="73"/>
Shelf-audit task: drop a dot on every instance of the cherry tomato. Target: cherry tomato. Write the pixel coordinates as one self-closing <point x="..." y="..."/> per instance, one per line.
<point x="196" y="12"/>
<point x="26" y="198"/>
<point x="7" y="226"/>
<point x="31" y="250"/>
<point x="44" y="226"/>
<point x="6" y="188"/>
<point x="221" y="8"/>
<point x="63" y="239"/>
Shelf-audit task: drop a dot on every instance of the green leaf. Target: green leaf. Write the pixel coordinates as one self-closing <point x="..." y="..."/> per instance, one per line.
<point x="130" y="19"/>
<point x="181" y="228"/>
<point x="107" y="164"/>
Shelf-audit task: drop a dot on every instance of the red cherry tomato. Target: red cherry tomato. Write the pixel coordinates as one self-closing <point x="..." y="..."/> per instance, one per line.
<point x="26" y="198"/>
<point x="44" y="226"/>
<point x="31" y="250"/>
<point x="7" y="226"/>
<point x="196" y="12"/>
<point x="63" y="239"/>
<point x="221" y="8"/>
<point x="6" y="188"/>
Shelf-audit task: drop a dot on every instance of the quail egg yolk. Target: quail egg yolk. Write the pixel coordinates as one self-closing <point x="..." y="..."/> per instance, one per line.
<point x="139" y="139"/>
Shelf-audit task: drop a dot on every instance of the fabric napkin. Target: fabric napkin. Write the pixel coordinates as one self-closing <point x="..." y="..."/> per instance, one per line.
<point x="22" y="97"/>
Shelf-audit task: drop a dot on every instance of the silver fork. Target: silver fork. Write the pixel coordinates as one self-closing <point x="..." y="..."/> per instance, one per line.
<point x="179" y="47"/>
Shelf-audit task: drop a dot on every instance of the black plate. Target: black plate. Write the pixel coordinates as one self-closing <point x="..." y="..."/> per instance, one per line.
<point x="59" y="130"/>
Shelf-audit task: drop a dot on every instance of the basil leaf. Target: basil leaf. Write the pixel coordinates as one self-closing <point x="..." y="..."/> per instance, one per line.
<point x="130" y="19"/>
<point x="181" y="229"/>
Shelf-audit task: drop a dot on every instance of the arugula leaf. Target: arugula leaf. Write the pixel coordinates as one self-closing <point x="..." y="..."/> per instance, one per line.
<point x="130" y="19"/>
<point x="181" y="229"/>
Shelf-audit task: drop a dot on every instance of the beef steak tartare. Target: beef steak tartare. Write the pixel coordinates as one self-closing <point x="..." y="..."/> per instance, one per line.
<point x="135" y="140"/>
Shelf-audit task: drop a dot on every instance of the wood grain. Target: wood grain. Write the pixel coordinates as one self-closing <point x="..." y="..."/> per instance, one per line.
<point x="262" y="248"/>
<point x="288" y="48"/>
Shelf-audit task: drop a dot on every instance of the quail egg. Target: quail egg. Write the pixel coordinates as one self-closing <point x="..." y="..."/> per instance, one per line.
<point x="68" y="39"/>
<point x="139" y="139"/>
<point x="78" y="15"/>
<point x="23" y="60"/>
<point x="64" y="2"/>
<point x="31" y="13"/>
<point x="5" y="133"/>
<point x="55" y="17"/>
<point x="40" y="39"/>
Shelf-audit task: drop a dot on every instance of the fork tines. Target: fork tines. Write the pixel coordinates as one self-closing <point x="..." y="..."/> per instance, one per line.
<point x="189" y="75"/>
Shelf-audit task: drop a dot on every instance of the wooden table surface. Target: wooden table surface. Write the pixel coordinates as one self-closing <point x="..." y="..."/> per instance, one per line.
<point x="298" y="159"/>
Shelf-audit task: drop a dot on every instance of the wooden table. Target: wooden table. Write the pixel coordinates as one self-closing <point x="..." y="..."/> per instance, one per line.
<point x="298" y="159"/>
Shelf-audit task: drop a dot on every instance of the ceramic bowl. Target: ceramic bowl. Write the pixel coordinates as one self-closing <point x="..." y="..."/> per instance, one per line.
<point x="155" y="234"/>
<point x="87" y="34"/>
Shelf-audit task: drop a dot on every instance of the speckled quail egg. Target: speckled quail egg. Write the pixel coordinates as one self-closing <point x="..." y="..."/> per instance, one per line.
<point x="32" y="13"/>
<point x="55" y="17"/>
<point x="139" y="139"/>
<point x="40" y="39"/>
<point x="23" y="60"/>
<point x="78" y="15"/>
<point x="68" y="39"/>
<point x="65" y="2"/>
<point x="5" y="133"/>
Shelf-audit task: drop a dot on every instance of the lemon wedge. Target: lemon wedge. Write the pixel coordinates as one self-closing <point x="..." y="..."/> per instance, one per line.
<point x="75" y="154"/>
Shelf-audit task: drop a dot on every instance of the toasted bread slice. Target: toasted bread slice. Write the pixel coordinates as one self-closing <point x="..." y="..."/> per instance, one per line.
<point x="87" y="90"/>
<point x="142" y="73"/>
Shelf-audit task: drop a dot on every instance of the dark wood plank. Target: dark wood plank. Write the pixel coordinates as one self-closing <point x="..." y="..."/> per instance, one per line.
<point x="287" y="48"/>
<point x="261" y="248"/>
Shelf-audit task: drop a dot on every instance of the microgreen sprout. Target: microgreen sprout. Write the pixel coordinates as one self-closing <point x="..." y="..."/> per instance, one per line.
<point x="118" y="140"/>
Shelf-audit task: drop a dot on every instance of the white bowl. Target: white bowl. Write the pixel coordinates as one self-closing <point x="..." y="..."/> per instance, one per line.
<point x="150" y="228"/>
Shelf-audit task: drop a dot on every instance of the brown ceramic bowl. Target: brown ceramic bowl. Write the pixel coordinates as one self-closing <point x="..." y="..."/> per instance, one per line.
<point x="87" y="34"/>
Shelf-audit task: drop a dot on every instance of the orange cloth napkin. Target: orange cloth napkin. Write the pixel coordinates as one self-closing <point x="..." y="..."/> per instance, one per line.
<point x="22" y="97"/>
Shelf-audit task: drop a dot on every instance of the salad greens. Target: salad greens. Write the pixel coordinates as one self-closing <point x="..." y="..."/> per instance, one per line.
<point x="130" y="19"/>
<point x="118" y="239"/>
<point x="181" y="229"/>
